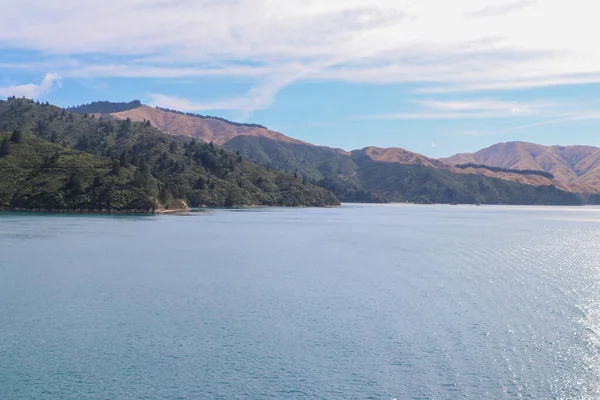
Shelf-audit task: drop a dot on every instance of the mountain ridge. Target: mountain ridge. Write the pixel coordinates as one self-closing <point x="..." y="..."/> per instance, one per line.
<point x="344" y="172"/>
<point x="576" y="167"/>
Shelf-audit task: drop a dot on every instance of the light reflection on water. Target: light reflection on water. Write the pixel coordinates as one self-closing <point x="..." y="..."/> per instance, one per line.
<point x="361" y="301"/>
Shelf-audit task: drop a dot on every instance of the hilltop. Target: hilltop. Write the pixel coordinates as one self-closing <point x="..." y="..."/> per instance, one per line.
<point x="576" y="168"/>
<point x="207" y="129"/>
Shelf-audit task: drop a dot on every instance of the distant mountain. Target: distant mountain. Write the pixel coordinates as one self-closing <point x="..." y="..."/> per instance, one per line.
<point x="399" y="182"/>
<point x="367" y="175"/>
<point x="576" y="168"/>
<point x="162" y="169"/>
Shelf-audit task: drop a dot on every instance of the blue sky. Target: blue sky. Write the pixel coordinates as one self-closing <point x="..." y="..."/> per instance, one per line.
<point x="433" y="76"/>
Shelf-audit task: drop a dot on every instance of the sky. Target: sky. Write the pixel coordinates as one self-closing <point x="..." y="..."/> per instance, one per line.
<point x="437" y="77"/>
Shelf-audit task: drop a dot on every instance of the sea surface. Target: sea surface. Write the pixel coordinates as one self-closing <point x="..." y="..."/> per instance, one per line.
<point x="358" y="302"/>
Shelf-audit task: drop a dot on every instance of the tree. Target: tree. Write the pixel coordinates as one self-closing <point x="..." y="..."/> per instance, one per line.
<point x="97" y="181"/>
<point x="123" y="159"/>
<point x="75" y="183"/>
<point x="164" y="195"/>
<point x="5" y="148"/>
<point x="116" y="168"/>
<point x="17" y="136"/>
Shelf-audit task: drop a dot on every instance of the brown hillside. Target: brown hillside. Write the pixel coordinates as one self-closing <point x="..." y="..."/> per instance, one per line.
<point x="402" y="156"/>
<point x="205" y="129"/>
<point x="574" y="167"/>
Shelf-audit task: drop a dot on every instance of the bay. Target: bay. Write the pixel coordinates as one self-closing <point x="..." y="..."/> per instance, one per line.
<point x="356" y="302"/>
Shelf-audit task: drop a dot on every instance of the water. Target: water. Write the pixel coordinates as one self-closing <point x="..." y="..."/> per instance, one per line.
<point x="360" y="302"/>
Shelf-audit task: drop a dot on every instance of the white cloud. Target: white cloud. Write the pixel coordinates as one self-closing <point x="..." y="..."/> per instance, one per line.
<point x="31" y="90"/>
<point x="501" y="9"/>
<point x="425" y="115"/>
<point x="580" y="116"/>
<point x="459" y="45"/>
<point x="257" y="98"/>
<point x="476" y="109"/>
<point x="477" y="133"/>
<point x="485" y="105"/>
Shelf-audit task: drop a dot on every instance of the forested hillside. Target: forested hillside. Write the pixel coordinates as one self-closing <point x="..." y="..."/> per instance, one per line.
<point x="167" y="168"/>
<point x="37" y="174"/>
<point x="368" y="175"/>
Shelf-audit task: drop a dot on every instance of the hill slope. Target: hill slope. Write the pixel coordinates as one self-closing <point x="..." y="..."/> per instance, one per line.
<point x="574" y="167"/>
<point x="344" y="173"/>
<point x="36" y="174"/>
<point x="173" y="168"/>
<point x="401" y="182"/>
<point x="203" y="128"/>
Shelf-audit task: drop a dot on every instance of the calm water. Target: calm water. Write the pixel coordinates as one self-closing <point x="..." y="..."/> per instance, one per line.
<point x="360" y="302"/>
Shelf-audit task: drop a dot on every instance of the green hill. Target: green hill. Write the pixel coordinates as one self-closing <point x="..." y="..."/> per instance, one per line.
<point x="359" y="178"/>
<point x="368" y="175"/>
<point x="165" y="168"/>
<point x="311" y="162"/>
<point x="401" y="182"/>
<point x="36" y="174"/>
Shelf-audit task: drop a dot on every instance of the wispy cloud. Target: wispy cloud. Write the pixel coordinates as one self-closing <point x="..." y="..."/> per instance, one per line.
<point x="580" y="116"/>
<point x="548" y="118"/>
<point x="471" y="110"/>
<point x="440" y="45"/>
<point x="513" y="107"/>
<point x="500" y="9"/>
<point x="258" y="97"/>
<point x="32" y="90"/>
<point x="477" y="133"/>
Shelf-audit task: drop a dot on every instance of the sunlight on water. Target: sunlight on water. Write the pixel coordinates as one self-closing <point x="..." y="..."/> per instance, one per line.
<point x="363" y="301"/>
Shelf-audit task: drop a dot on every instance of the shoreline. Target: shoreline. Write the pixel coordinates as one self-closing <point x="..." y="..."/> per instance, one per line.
<point x="148" y="212"/>
<point x="87" y="211"/>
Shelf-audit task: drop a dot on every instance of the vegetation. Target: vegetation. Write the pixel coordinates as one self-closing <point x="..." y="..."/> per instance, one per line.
<point x="358" y="178"/>
<point x="37" y="174"/>
<point x="313" y="163"/>
<point x="507" y="170"/>
<point x="104" y="107"/>
<point x="416" y="183"/>
<point x="162" y="167"/>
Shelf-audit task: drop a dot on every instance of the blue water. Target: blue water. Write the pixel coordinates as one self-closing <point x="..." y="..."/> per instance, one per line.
<point x="359" y="302"/>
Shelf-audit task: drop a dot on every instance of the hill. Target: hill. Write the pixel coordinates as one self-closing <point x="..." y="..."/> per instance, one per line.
<point x="351" y="175"/>
<point x="398" y="155"/>
<point x="413" y="182"/>
<point x="206" y="129"/>
<point x="169" y="168"/>
<point x="37" y="174"/>
<point x="576" y="168"/>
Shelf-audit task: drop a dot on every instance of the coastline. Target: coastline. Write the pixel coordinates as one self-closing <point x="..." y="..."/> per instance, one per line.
<point x="88" y="211"/>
